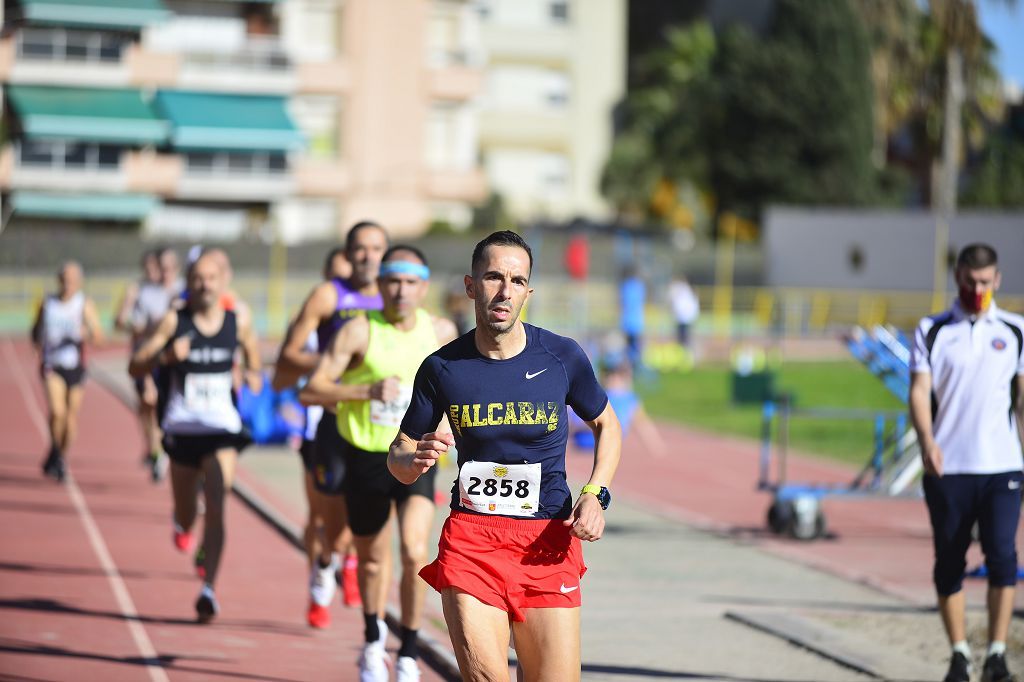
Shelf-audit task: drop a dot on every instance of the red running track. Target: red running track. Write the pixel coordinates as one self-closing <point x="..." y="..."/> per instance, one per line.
<point x="91" y="587"/>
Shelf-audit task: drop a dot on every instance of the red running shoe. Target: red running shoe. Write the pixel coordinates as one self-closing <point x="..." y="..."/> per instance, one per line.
<point x="183" y="539"/>
<point x="318" y="616"/>
<point x="350" y="583"/>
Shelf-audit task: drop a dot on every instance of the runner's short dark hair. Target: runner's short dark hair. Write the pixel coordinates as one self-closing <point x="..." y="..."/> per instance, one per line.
<point x="500" y="238"/>
<point x="350" y="238"/>
<point x="406" y="248"/>
<point x="976" y="256"/>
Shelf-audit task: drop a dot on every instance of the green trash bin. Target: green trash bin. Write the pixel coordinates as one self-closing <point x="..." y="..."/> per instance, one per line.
<point x="753" y="387"/>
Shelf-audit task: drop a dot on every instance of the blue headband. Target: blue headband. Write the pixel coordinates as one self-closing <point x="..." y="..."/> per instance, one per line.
<point x="404" y="267"/>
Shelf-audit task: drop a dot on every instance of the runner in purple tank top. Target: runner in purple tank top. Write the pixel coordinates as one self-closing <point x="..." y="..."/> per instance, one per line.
<point x="327" y="308"/>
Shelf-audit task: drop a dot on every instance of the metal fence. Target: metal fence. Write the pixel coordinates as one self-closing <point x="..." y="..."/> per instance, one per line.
<point x="576" y="308"/>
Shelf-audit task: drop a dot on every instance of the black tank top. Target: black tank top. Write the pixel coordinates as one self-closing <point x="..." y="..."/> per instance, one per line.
<point x="201" y="399"/>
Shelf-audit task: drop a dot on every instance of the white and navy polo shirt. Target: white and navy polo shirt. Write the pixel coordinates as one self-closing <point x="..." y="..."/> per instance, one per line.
<point x="974" y="367"/>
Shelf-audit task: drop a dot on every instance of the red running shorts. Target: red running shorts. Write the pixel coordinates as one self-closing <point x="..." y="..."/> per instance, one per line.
<point x="510" y="564"/>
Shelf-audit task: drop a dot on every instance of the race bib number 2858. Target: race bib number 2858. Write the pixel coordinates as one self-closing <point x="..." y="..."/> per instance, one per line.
<point x="507" y="489"/>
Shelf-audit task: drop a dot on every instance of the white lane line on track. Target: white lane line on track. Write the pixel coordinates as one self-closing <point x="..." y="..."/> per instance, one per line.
<point x="99" y="547"/>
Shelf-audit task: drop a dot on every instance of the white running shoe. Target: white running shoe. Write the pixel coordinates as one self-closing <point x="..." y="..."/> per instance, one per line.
<point x="407" y="669"/>
<point x="322" y="584"/>
<point x="374" y="663"/>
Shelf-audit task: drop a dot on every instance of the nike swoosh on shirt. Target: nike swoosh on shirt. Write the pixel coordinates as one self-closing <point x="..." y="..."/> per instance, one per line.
<point x="567" y="590"/>
<point x="530" y="376"/>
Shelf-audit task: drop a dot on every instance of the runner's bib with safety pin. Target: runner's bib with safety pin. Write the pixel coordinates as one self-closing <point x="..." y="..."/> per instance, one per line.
<point x="507" y="489"/>
<point x="206" y="393"/>
<point x="390" y="413"/>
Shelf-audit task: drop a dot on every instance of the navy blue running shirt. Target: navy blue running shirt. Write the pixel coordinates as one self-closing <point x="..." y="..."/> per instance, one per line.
<point x="506" y="413"/>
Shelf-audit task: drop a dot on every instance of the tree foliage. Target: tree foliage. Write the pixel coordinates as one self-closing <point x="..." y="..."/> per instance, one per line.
<point x="784" y="117"/>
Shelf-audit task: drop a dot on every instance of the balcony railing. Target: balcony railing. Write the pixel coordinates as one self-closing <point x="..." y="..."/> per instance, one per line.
<point x="257" y="55"/>
<point x="63" y="45"/>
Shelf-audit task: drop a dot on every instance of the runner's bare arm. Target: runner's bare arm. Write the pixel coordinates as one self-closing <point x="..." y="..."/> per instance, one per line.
<point x="921" y="418"/>
<point x="155" y="346"/>
<point x="587" y="518"/>
<point x="294" y="361"/>
<point x="284" y="376"/>
<point x="123" y="319"/>
<point x="92" y="323"/>
<point x="250" y="345"/>
<point x="409" y="459"/>
<point x="37" y="328"/>
<point x="323" y="387"/>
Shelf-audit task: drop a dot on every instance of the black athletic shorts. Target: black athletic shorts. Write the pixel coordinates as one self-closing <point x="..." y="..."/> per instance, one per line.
<point x="72" y="377"/>
<point x="328" y="461"/>
<point x="370" y="488"/>
<point x="306" y="453"/>
<point x="191" y="450"/>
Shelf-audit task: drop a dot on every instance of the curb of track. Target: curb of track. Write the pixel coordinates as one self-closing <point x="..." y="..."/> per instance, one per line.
<point x="433" y="652"/>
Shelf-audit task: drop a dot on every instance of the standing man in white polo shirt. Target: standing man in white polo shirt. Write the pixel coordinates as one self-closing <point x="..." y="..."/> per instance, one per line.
<point x="967" y="408"/>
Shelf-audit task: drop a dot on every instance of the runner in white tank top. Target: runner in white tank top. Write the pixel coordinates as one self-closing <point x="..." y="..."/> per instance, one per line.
<point x="64" y="322"/>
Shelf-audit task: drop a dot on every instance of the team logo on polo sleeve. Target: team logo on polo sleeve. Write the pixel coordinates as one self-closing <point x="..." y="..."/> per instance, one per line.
<point x="998" y="344"/>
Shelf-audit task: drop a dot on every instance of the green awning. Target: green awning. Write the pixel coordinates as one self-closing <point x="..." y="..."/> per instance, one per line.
<point x="87" y="114"/>
<point x="123" y="14"/>
<point x="216" y="122"/>
<point x="83" y="206"/>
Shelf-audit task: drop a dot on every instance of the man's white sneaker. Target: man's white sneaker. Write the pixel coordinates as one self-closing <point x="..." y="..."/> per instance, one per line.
<point x="407" y="669"/>
<point x="374" y="663"/>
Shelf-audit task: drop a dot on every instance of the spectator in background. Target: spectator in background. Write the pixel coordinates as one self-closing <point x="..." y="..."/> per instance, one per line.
<point x="616" y="376"/>
<point x="632" y="297"/>
<point x="685" y="309"/>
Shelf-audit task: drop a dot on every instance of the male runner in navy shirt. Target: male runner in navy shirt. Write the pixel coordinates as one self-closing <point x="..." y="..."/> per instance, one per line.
<point x="510" y="556"/>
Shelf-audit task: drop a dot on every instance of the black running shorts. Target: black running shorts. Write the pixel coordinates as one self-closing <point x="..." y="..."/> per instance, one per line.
<point x="370" y="488"/>
<point x="72" y="377"/>
<point x="328" y="457"/>
<point x="190" y="451"/>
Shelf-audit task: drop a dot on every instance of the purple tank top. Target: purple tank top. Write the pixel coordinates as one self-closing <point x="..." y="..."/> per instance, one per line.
<point x="350" y="304"/>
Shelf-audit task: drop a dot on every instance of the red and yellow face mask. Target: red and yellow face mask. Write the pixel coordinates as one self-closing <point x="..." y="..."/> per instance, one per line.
<point x="973" y="302"/>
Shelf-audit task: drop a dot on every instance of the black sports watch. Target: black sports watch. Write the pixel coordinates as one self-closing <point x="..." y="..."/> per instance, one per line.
<point x="603" y="496"/>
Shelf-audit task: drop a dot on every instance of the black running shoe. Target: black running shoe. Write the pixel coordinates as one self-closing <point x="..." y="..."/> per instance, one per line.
<point x="995" y="670"/>
<point x="959" y="669"/>
<point x="206" y="605"/>
<point x="50" y="462"/>
<point x="54" y="467"/>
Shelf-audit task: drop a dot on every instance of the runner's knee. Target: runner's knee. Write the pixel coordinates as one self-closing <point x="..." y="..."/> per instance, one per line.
<point x="948" y="574"/>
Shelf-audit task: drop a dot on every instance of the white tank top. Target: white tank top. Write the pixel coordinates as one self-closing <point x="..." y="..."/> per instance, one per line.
<point x="62" y="331"/>
<point x="150" y="306"/>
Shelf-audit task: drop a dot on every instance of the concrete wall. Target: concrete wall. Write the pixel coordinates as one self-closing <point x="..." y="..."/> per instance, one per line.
<point x="837" y="248"/>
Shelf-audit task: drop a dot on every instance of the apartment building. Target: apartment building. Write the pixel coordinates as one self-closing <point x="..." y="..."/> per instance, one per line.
<point x="555" y="71"/>
<point x="223" y="119"/>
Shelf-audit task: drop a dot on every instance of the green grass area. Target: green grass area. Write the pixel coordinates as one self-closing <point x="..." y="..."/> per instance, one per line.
<point x="701" y="399"/>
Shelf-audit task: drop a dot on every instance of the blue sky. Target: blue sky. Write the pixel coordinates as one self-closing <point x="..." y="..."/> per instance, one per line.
<point x="1006" y="28"/>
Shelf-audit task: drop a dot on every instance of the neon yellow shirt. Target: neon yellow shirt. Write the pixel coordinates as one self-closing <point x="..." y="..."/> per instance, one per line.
<point x="372" y="424"/>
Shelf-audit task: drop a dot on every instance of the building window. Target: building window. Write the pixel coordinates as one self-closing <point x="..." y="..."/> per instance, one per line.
<point x="58" y="44"/>
<point x="235" y="164"/>
<point x="60" y="155"/>
<point x="559" y="10"/>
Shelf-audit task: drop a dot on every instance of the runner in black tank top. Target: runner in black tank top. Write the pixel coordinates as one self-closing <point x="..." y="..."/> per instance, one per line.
<point x="203" y="431"/>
